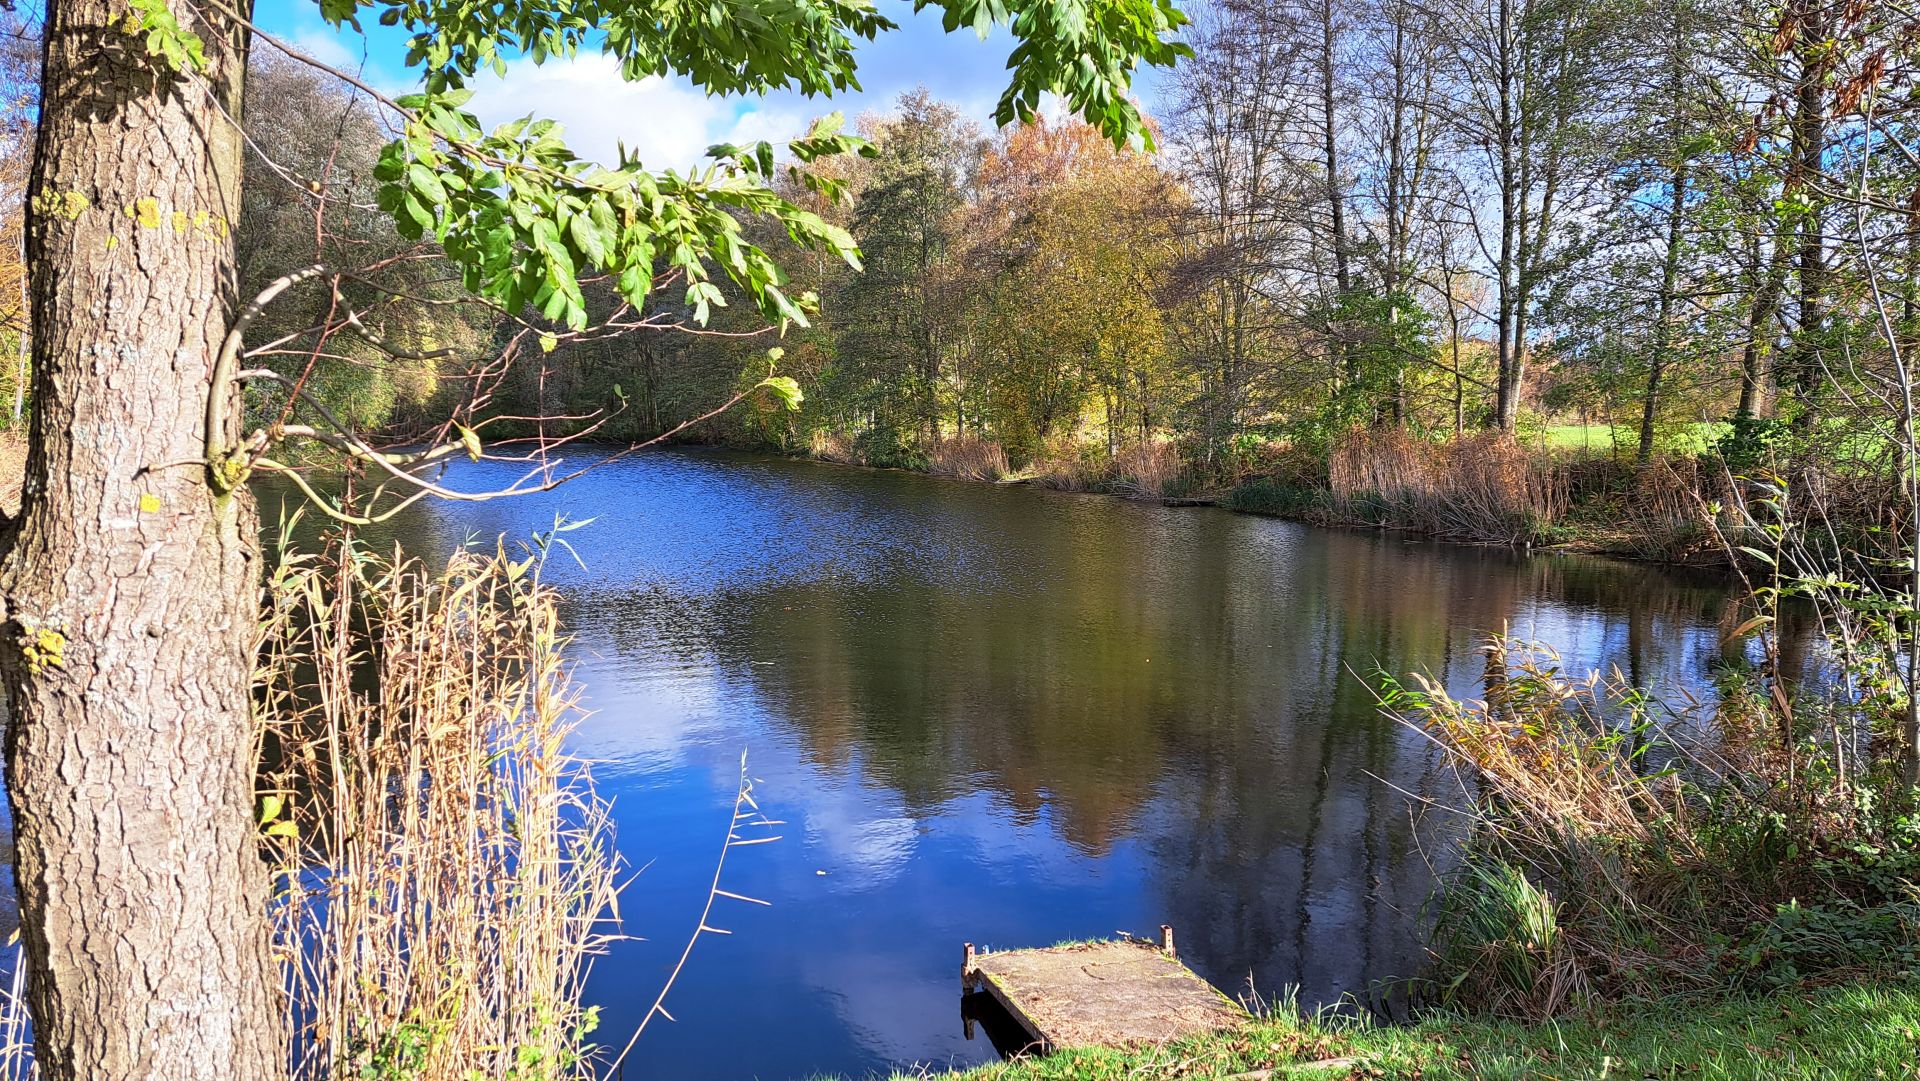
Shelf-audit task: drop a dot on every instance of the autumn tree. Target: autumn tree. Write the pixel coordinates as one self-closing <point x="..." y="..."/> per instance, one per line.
<point x="897" y="315"/>
<point x="1230" y="127"/>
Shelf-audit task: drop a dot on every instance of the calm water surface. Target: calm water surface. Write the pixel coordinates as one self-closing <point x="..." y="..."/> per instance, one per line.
<point x="1012" y="717"/>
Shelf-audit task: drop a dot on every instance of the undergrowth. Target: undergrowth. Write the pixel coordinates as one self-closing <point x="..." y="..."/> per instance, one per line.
<point x="1620" y="849"/>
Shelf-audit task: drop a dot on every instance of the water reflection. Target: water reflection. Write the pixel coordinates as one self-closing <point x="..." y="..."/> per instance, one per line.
<point x="1014" y="717"/>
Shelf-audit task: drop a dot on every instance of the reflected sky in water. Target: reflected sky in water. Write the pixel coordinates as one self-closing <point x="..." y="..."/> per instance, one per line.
<point x="1011" y="717"/>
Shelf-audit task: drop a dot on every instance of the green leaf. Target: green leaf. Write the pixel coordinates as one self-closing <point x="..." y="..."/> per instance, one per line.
<point x="426" y="184"/>
<point x="785" y="388"/>
<point x="590" y="238"/>
<point x="164" y="37"/>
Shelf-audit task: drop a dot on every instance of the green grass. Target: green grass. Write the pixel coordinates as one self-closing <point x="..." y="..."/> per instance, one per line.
<point x="1694" y="439"/>
<point x="1863" y="1031"/>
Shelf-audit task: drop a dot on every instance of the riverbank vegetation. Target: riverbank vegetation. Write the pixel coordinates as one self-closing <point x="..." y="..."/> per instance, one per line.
<point x="1389" y="268"/>
<point x="1831" y="1034"/>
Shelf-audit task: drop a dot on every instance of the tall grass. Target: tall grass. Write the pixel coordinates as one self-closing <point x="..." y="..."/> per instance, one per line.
<point x="1146" y="470"/>
<point x="1618" y="848"/>
<point x="968" y="457"/>
<point x="446" y="872"/>
<point x="835" y="447"/>
<point x="1143" y="470"/>
<point x="1485" y="487"/>
<point x="1065" y="466"/>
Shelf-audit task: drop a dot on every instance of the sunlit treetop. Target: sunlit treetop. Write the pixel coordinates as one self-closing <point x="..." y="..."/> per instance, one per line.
<point x="525" y="219"/>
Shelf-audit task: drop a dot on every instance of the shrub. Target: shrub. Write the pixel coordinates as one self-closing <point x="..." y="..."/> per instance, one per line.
<point x="883" y="447"/>
<point x="1267" y="496"/>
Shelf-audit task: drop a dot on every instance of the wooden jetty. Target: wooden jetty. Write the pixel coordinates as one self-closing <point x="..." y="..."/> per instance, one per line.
<point x="1101" y="994"/>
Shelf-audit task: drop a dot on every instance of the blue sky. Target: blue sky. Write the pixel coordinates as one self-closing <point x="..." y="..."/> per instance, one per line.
<point x="668" y="121"/>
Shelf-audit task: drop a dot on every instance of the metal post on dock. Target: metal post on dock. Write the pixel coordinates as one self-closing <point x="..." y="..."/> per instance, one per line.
<point x="1166" y="939"/>
<point x="966" y="969"/>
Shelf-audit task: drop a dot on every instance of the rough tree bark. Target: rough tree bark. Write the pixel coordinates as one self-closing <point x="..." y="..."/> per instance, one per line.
<point x="130" y="586"/>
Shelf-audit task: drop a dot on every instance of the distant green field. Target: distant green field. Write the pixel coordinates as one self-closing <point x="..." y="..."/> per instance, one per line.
<point x="1693" y="439"/>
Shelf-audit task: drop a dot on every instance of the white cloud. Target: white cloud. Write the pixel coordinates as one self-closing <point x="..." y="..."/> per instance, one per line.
<point x="669" y="123"/>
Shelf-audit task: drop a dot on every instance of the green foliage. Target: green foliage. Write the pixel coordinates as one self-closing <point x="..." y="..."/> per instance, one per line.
<point x="525" y="220"/>
<point x="1083" y="50"/>
<point x="164" y="37"/>
<point x="1377" y="338"/>
<point x="1839" y="935"/>
<point x="1750" y="442"/>
<point x="883" y="447"/>
<point x="399" y="1054"/>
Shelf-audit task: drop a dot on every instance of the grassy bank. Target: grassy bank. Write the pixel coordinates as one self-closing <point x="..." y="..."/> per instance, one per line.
<point x="1486" y="488"/>
<point x="1858" y="1031"/>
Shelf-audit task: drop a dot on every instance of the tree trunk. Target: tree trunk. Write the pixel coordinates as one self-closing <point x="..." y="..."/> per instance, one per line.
<point x="131" y="588"/>
<point x="1663" y="319"/>
<point x="22" y="360"/>
<point x="1346" y="365"/>
<point x="1809" y="148"/>
<point x="1758" y="351"/>
<point x="1510" y="270"/>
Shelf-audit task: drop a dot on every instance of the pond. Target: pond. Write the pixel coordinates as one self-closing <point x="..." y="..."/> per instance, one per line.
<point x="1013" y="717"/>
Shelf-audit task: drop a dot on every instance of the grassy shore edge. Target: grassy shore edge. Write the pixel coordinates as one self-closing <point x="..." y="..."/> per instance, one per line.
<point x="1867" y="1030"/>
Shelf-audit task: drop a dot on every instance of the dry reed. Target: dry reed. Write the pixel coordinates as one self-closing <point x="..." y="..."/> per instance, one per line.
<point x="446" y="872"/>
<point x="16" y="1027"/>
<point x="1668" y="516"/>
<point x="1587" y="869"/>
<point x="835" y="447"/>
<point x="1146" y="470"/>
<point x="969" y="457"/>
<point x="1062" y="467"/>
<point x="1485" y="487"/>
